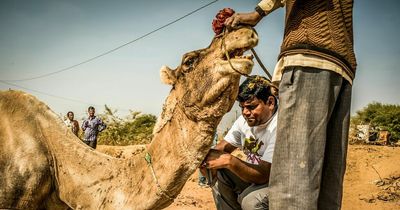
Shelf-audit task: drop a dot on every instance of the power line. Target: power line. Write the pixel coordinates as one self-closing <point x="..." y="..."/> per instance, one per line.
<point x="55" y="96"/>
<point x="110" y="51"/>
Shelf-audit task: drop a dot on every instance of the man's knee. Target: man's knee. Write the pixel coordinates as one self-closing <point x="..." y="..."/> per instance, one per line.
<point x="254" y="198"/>
<point x="254" y="203"/>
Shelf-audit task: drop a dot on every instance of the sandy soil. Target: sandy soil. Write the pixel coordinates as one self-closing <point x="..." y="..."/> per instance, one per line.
<point x="372" y="182"/>
<point x="372" y="179"/>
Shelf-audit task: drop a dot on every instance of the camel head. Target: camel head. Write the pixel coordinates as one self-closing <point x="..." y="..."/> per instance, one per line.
<point x="204" y="85"/>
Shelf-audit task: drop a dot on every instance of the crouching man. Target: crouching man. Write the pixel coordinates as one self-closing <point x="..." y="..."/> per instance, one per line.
<point x="244" y="184"/>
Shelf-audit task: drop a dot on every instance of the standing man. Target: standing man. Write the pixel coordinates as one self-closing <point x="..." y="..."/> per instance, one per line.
<point x="92" y="126"/>
<point x="71" y="123"/>
<point x="316" y="68"/>
<point x="244" y="184"/>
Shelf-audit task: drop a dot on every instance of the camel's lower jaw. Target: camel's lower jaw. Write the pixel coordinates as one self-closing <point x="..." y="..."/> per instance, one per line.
<point x="242" y="65"/>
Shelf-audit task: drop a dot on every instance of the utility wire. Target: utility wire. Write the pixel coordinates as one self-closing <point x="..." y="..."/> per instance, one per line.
<point x="55" y="96"/>
<point x="110" y="51"/>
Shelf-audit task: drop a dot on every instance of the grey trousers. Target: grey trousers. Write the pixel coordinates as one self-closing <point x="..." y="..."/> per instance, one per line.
<point x="230" y="192"/>
<point x="91" y="144"/>
<point x="309" y="159"/>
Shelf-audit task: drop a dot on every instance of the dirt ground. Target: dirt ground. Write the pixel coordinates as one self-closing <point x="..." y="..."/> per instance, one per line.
<point x="372" y="182"/>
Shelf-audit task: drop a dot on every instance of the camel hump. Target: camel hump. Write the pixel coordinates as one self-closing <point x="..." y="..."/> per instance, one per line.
<point x="15" y="100"/>
<point x="21" y="105"/>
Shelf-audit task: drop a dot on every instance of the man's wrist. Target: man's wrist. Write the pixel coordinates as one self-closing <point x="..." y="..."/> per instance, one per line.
<point x="260" y="11"/>
<point x="229" y="161"/>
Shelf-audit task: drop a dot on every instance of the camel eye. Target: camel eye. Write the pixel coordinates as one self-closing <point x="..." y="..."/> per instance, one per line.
<point x="189" y="63"/>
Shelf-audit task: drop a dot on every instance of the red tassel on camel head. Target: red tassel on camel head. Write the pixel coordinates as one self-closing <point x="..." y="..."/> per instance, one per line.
<point x="218" y="23"/>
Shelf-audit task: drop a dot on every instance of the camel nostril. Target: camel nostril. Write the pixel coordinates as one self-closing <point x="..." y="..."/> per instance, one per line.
<point x="253" y="35"/>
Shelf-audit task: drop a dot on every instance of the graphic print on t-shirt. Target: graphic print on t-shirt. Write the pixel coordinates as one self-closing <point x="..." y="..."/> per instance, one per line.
<point x="250" y="148"/>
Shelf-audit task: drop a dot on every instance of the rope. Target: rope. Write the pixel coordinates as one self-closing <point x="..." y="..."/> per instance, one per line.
<point x="147" y="157"/>
<point x="261" y="64"/>
<point x="257" y="58"/>
<point x="227" y="54"/>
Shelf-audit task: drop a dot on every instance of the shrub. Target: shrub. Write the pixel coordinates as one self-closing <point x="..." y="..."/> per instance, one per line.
<point x="380" y="116"/>
<point x="136" y="128"/>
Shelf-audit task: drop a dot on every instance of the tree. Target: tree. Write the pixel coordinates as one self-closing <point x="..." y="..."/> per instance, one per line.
<point x="381" y="116"/>
<point x="136" y="128"/>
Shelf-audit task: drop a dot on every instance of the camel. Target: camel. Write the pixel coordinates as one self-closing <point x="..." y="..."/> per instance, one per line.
<point x="43" y="165"/>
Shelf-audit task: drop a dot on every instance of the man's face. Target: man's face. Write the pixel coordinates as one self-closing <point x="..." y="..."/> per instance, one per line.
<point x="91" y="112"/>
<point x="71" y="116"/>
<point x="256" y="112"/>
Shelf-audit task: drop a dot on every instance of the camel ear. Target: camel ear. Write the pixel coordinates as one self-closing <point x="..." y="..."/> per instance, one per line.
<point x="167" y="75"/>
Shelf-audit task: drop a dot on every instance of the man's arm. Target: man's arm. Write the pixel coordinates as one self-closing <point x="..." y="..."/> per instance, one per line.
<point x="224" y="146"/>
<point x="258" y="174"/>
<point x="84" y="125"/>
<point x="220" y="157"/>
<point x="76" y="127"/>
<point x="252" y="18"/>
<point x="102" y="125"/>
<point x="76" y="124"/>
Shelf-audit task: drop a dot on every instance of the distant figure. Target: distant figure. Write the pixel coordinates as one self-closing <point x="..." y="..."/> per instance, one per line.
<point x="92" y="126"/>
<point x="71" y="123"/>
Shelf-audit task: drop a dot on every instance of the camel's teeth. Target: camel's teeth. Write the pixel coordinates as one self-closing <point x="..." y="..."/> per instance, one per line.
<point x="249" y="56"/>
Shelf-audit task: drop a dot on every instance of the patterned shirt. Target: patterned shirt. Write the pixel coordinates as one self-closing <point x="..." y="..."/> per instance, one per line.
<point x="304" y="60"/>
<point x="257" y="142"/>
<point x="92" y="126"/>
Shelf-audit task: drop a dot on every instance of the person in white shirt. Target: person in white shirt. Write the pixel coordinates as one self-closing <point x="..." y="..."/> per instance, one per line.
<point x="71" y="123"/>
<point x="244" y="184"/>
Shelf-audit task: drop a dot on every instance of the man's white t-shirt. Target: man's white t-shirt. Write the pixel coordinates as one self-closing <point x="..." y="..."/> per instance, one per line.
<point x="256" y="142"/>
<point x="68" y="123"/>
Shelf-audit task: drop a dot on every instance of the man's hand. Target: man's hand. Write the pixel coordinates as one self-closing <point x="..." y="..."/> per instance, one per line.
<point x="214" y="160"/>
<point x="213" y="156"/>
<point x="251" y="18"/>
<point x="217" y="159"/>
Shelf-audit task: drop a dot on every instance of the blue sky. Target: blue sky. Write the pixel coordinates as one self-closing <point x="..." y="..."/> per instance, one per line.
<point x="43" y="36"/>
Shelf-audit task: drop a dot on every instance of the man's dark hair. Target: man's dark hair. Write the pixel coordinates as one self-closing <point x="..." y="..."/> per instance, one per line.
<point x="257" y="86"/>
<point x="91" y="107"/>
<point x="69" y="112"/>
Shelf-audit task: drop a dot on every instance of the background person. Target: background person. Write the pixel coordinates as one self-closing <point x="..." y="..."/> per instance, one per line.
<point x="71" y="123"/>
<point x="92" y="126"/>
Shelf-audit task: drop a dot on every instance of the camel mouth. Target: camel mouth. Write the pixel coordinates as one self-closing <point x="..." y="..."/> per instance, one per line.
<point x="233" y="48"/>
<point x="237" y="54"/>
<point x="242" y="64"/>
<point x="241" y="57"/>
